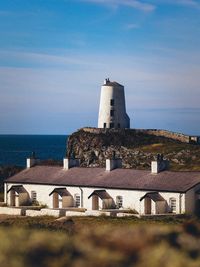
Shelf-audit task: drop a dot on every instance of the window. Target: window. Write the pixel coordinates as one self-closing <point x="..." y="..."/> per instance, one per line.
<point x="172" y="204"/>
<point x="77" y="200"/>
<point x="111" y="112"/>
<point x="104" y="125"/>
<point x="111" y="125"/>
<point x="119" y="202"/>
<point x="112" y="102"/>
<point x="33" y="195"/>
<point x="118" y="125"/>
<point x="60" y="199"/>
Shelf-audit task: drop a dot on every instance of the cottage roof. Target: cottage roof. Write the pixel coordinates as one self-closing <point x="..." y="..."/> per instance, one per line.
<point x="101" y="193"/>
<point x="155" y="196"/>
<point x="97" y="177"/>
<point x="18" y="189"/>
<point x="61" y="192"/>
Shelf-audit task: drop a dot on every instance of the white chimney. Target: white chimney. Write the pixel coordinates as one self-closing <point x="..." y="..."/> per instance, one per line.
<point x="70" y="163"/>
<point x="32" y="161"/>
<point x="159" y="164"/>
<point x="112" y="164"/>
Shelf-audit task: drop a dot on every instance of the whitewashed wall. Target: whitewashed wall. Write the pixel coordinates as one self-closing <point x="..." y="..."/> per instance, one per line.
<point x="190" y="199"/>
<point x="115" y="92"/>
<point x="131" y="198"/>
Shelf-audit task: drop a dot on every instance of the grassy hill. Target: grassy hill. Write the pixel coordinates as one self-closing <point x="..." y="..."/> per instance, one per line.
<point x="181" y="156"/>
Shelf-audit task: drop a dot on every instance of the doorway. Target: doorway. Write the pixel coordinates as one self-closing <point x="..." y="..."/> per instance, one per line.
<point x="55" y="200"/>
<point x="12" y="198"/>
<point x="147" y="205"/>
<point x="95" y="202"/>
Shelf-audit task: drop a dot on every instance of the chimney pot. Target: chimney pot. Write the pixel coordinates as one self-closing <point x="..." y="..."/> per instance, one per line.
<point x="70" y="163"/>
<point x="159" y="164"/>
<point x="30" y="162"/>
<point x="112" y="164"/>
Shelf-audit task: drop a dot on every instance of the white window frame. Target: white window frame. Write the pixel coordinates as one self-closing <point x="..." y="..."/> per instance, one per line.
<point x="173" y="204"/>
<point x="119" y="202"/>
<point x="77" y="199"/>
<point x="59" y="198"/>
<point x="33" y="195"/>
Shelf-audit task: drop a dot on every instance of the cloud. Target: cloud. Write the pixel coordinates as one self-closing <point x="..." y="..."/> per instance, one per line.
<point x="43" y="99"/>
<point x="190" y="3"/>
<point x="42" y="60"/>
<point x="187" y="3"/>
<point x="143" y="6"/>
<point x="131" y="26"/>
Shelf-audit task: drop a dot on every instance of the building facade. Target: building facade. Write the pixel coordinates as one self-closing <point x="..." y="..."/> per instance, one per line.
<point x="145" y="192"/>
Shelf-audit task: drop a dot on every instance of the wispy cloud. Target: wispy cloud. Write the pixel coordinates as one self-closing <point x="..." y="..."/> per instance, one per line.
<point x="187" y="3"/>
<point x="191" y="3"/>
<point x="41" y="60"/>
<point x="143" y="6"/>
<point x="131" y="26"/>
<point x="155" y="82"/>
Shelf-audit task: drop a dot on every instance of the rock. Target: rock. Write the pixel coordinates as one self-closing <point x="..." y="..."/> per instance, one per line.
<point x="175" y="160"/>
<point x="94" y="145"/>
<point x="66" y="221"/>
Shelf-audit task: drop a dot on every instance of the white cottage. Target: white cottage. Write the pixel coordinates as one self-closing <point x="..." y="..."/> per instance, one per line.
<point x="147" y="192"/>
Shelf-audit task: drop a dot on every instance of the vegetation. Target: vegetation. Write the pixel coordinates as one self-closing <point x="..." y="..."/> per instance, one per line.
<point x="106" y="241"/>
<point x="182" y="157"/>
<point x="48" y="222"/>
<point x="103" y="241"/>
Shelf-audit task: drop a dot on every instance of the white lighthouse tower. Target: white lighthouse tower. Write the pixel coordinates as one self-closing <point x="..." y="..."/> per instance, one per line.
<point x="112" y="108"/>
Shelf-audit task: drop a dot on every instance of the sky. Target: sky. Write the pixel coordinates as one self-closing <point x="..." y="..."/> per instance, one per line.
<point x="55" y="54"/>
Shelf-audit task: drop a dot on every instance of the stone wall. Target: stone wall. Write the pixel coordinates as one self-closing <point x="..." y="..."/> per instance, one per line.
<point x="157" y="132"/>
<point x="61" y="212"/>
<point x="172" y="135"/>
<point x="11" y="211"/>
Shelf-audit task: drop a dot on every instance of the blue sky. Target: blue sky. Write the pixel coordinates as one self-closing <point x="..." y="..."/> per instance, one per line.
<point x="55" y="54"/>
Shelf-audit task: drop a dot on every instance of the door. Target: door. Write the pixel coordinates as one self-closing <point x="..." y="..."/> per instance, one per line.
<point x="147" y="205"/>
<point x="95" y="202"/>
<point x="12" y="198"/>
<point x="55" y="201"/>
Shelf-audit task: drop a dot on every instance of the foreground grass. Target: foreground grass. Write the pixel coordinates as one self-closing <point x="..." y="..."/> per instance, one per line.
<point x="99" y="242"/>
<point x="50" y="223"/>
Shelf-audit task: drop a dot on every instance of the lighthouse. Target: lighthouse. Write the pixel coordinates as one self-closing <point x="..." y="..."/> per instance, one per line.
<point x="112" y="108"/>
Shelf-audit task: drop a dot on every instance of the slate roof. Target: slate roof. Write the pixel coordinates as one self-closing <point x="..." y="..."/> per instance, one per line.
<point x="155" y="196"/>
<point x="18" y="189"/>
<point x="61" y="192"/>
<point x="99" y="178"/>
<point x="101" y="193"/>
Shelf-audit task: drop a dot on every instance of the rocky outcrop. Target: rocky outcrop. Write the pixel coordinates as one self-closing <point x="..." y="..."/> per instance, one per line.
<point x="137" y="148"/>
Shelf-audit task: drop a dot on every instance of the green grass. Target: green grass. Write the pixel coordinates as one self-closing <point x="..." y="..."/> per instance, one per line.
<point x="188" y="155"/>
<point x="50" y="223"/>
<point x="99" y="242"/>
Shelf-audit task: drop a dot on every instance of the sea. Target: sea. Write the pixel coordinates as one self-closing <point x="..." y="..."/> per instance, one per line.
<point x="14" y="149"/>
